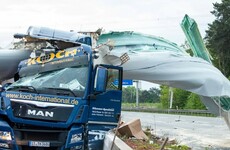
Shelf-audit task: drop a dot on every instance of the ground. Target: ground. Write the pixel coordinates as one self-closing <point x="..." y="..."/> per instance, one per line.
<point x="154" y="143"/>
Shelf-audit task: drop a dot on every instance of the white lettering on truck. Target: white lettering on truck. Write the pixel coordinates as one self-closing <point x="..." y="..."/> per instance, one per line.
<point x="40" y="113"/>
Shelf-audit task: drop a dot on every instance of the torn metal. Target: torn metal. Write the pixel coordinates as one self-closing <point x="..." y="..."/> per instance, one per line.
<point x="143" y="57"/>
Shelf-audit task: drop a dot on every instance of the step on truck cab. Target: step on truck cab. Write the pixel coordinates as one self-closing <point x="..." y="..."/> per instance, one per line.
<point x="60" y="100"/>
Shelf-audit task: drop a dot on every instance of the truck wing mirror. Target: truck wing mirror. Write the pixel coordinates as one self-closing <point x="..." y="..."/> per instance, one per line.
<point x="101" y="79"/>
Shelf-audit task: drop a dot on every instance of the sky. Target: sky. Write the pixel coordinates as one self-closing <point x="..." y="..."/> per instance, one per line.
<point x="155" y="17"/>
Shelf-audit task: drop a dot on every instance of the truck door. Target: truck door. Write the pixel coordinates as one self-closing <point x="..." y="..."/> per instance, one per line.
<point x="105" y="107"/>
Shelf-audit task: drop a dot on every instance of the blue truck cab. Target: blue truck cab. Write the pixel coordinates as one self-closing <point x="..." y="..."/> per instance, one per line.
<point x="60" y="100"/>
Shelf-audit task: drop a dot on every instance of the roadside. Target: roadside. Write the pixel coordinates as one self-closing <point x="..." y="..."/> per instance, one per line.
<point x="156" y="108"/>
<point x="139" y="138"/>
<point x="197" y="132"/>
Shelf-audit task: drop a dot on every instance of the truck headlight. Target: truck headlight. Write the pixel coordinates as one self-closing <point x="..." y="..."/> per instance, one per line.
<point x="5" y="135"/>
<point x="4" y="145"/>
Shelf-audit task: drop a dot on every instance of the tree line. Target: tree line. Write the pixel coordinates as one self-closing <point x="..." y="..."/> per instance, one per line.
<point x="218" y="37"/>
<point x="145" y="96"/>
<point x="181" y="99"/>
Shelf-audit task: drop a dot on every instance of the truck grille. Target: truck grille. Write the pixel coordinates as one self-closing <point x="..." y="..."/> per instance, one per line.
<point x="50" y="113"/>
<point x="56" y="138"/>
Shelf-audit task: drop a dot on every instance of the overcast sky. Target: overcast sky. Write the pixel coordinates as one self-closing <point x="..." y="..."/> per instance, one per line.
<point x="155" y="17"/>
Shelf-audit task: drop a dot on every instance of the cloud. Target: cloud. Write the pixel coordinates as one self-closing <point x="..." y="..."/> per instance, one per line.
<point x="160" y="18"/>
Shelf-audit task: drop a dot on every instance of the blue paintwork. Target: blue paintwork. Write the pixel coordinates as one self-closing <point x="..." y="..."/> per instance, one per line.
<point x="109" y="103"/>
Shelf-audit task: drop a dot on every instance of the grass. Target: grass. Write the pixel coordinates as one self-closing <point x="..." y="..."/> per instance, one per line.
<point x="157" y="108"/>
<point x="145" y="105"/>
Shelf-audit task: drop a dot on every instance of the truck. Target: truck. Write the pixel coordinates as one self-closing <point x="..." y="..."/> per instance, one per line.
<point x="60" y="98"/>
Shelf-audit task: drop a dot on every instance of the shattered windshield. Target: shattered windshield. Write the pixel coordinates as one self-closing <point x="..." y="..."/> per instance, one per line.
<point x="68" y="81"/>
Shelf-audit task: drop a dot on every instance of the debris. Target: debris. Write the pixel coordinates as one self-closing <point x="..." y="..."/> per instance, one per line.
<point x="132" y="129"/>
<point x="164" y="143"/>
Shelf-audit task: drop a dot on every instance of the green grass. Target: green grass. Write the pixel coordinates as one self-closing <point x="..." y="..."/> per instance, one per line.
<point x="157" y="108"/>
<point x="155" y="144"/>
<point x="145" y="105"/>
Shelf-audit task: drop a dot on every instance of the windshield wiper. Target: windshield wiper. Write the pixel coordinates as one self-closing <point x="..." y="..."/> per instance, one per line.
<point x="61" y="89"/>
<point x="23" y="88"/>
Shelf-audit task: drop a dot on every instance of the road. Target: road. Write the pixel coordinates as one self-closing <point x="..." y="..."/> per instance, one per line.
<point x="199" y="133"/>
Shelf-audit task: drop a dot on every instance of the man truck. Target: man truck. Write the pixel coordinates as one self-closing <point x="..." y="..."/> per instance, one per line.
<point x="60" y="99"/>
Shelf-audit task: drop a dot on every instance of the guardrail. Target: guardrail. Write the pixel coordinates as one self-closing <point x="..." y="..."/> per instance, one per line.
<point x="191" y="112"/>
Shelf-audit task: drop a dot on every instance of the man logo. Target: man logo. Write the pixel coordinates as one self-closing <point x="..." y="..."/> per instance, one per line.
<point x="40" y="113"/>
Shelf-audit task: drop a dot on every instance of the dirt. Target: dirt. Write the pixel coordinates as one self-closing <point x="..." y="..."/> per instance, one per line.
<point x="154" y="143"/>
<point x="139" y="144"/>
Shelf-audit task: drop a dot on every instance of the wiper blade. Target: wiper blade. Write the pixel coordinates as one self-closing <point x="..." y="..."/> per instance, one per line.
<point x="23" y="88"/>
<point x="61" y="89"/>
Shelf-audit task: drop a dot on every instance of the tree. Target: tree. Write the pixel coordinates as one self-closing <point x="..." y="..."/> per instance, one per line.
<point x="180" y="98"/>
<point x="155" y="95"/>
<point x="194" y="102"/>
<point x="129" y="94"/>
<point x="150" y="96"/>
<point x="145" y="96"/>
<point x="164" y="98"/>
<point x="218" y="36"/>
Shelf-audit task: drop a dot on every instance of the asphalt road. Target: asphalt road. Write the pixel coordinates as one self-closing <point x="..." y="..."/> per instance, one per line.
<point x="199" y="133"/>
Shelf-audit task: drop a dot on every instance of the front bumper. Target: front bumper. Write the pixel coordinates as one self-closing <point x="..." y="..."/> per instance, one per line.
<point x="34" y="137"/>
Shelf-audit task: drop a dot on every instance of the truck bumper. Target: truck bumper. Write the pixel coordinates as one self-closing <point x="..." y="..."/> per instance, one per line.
<point x="32" y="137"/>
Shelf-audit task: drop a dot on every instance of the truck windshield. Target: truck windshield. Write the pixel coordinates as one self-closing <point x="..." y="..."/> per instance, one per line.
<point x="68" y="81"/>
